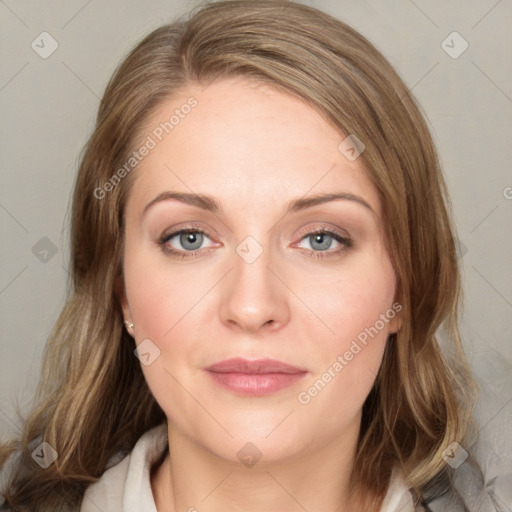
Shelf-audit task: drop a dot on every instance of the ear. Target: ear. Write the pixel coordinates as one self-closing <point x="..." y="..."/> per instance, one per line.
<point x="395" y="323"/>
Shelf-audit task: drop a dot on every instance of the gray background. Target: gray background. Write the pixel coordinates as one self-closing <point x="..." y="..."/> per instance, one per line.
<point x="48" y="108"/>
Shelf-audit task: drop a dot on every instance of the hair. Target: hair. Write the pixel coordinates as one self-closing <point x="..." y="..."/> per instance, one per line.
<point x="93" y="402"/>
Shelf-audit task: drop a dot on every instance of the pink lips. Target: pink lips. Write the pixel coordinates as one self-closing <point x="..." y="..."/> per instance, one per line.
<point x="259" y="377"/>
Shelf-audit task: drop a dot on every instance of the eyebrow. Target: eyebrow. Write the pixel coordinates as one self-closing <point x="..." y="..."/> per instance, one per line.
<point x="209" y="203"/>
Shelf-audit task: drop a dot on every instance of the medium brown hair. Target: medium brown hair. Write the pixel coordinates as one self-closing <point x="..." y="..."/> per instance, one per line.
<point x="93" y="402"/>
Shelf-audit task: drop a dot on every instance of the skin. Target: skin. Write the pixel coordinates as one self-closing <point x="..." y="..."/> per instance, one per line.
<point x="254" y="149"/>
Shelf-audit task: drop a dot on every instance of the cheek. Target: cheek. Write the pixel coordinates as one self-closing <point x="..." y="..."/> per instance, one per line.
<point x="358" y="302"/>
<point x="158" y="297"/>
<point x="333" y="399"/>
<point x="358" y="310"/>
<point x="166" y="309"/>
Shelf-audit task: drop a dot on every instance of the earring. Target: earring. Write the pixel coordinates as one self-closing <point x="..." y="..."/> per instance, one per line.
<point x="129" y="324"/>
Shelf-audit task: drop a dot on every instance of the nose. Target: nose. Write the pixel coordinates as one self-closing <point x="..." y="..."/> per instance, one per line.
<point x="254" y="298"/>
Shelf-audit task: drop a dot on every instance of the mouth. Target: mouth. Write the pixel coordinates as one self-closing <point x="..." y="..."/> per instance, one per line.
<point x="253" y="378"/>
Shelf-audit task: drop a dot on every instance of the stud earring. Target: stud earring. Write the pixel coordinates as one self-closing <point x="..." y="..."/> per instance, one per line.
<point x="129" y="324"/>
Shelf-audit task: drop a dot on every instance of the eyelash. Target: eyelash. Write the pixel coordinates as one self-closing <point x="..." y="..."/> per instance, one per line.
<point x="345" y="241"/>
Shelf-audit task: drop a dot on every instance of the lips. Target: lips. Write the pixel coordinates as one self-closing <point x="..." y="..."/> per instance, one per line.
<point x="254" y="378"/>
<point x="255" y="367"/>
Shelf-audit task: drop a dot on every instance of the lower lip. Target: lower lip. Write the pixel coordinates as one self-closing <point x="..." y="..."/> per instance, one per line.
<point x="256" y="384"/>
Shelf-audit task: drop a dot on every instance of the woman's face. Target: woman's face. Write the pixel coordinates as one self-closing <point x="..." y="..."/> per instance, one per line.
<point x="258" y="282"/>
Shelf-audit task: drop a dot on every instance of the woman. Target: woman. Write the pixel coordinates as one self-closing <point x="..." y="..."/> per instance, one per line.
<point x="292" y="348"/>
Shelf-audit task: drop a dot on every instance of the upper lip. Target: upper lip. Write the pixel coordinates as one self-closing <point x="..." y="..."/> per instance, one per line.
<point x="257" y="366"/>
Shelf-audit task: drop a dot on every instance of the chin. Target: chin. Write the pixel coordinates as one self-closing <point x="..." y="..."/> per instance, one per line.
<point x="253" y="451"/>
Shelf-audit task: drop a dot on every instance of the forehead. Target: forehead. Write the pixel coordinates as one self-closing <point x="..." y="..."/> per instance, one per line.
<point x="244" y="142"/>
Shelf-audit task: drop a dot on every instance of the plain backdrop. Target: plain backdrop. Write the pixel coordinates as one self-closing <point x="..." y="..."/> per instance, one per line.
<point x="48" y="107"/>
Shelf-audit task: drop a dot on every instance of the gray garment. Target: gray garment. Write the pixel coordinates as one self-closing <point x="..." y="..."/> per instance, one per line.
<point x="483" y="482"/>
<point x="469" y="492"/>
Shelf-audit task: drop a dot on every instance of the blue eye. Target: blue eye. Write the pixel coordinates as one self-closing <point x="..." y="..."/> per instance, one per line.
<point x="324" y="240"/>
<point x="321" y="241"/>
<point x="192" y="239"/>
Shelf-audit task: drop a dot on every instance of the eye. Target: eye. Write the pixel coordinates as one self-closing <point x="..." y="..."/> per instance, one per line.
<point x="321" y="240"/>
<point x="190" y="241"/>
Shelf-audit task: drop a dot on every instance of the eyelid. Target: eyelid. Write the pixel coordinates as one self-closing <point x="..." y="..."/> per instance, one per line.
<point x="186" y="227"/>
<point x="322" y="227"/>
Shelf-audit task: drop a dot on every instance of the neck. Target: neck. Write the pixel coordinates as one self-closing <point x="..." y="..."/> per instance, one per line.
<point x="194" y="479"/>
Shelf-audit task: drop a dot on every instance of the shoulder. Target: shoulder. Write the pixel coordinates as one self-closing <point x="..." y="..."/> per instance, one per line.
<point x="128" y="481"/>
